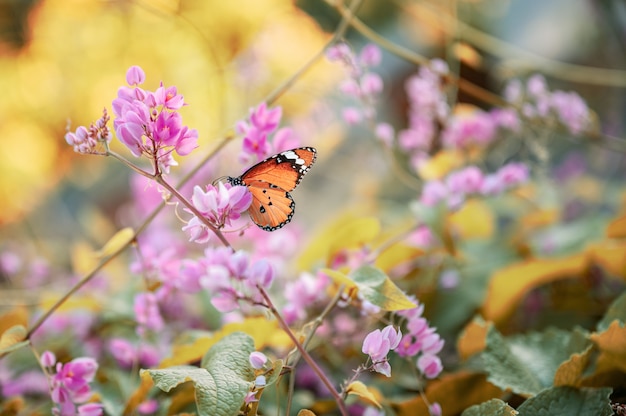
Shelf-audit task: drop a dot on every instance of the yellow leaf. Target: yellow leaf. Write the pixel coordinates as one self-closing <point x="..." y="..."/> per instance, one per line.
<point x="395" y="255"/>
<point x="440" y="165"/>
<point x="617" y="228"/>
<point x="539" y="218"/>
<point x="394" y="298"/>
<point x="340" y="279"/>
<point x="15" y="316"/>
<point x="346" y="232"/>
<point x="12" y="336"/>
<point x="509" y="285"/>
<point x="456" y="392"/>
<point x="473" y="338"/>
<point x="84" y="260"/>
<point x="85" y="302"/>
<point x="474" y="220"/>
<point x="612" y="346"/>
<point x="264" y="332"/>
<point x="119" y="240"/>
<point x="611" y="255"/>
<point x="140" y="394"/>
<point x="360" y="390"/>
<point x="570" y="372"/>
<point x="305" y="412"/>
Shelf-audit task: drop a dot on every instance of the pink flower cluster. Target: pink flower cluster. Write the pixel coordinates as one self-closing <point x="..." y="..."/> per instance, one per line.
<point x="423" y="340"/>
<point x="229" y="277"/>
<point x="86" y="140"/>
<point x="472" y="181"/>
<point x="261" y="124"/>
<point x="537" y="101"/>
<point x="148" y="123"/>
<point x="69" y="385"/>
<point x="128" y="355"/>
<point x="427" y="109"/>
<point x="361" y="84"/>
<point x="303" y="293"/>
<point x="377" y="345"/>
<point x="219" y="206"/>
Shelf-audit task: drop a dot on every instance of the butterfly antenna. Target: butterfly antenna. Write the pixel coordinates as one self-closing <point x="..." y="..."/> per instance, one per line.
<point x="218" y="180"/>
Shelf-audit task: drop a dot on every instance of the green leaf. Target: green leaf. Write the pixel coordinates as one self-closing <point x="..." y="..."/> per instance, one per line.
<point x="617" y="310"/>
<point x="568" y="401"/>
<point x="527" y="363"/>
<point x="493" y="407"/>
<point x="376" y="287"/>
<point x="222" y="382"/>
<point x="272" y="375"/>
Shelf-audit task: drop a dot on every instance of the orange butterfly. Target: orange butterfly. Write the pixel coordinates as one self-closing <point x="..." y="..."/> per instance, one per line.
<point x="270" y="182"/>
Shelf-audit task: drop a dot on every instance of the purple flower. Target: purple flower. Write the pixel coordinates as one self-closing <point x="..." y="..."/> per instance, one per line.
<point x="433" y="193"/>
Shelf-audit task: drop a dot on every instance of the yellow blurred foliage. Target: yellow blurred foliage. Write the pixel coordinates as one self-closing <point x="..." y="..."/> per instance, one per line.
<point x="263" y="331"/>
<point x="438" y="166"/>
<point x="79" y="52"/>
<point x="571" y="371"/>
<point x="510" y="284"/>
<point x="473" y="339"/>
<point x="612" y="346"/>
<point x="474" y="220"/>
<point x="465" y="387"/>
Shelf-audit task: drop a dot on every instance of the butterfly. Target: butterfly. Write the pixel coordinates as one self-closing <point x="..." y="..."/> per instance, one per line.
<point x="270" y="182"/>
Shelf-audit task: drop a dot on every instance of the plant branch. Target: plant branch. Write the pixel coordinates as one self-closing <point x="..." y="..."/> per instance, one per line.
<point x="304" y="353"/>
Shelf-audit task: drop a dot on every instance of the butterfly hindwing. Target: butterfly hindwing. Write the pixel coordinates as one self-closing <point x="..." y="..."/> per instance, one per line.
<point x="272" y="207"/>
<point x="284" y="169"/>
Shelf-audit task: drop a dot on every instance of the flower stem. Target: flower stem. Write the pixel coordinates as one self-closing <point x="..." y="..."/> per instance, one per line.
<point x="304" y="353"/>
<point x="161" y="181"/>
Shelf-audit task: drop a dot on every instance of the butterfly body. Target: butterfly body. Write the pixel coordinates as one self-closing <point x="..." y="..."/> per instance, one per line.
<point x="270" y="182"/>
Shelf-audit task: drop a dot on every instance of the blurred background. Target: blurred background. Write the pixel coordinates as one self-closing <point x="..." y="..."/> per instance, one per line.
<point x="62" y="61"/>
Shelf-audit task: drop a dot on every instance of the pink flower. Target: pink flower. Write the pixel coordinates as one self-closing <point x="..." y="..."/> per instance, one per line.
<point x="147" y="122"/>
<point x="430" y="365"/>
<point x="371" y="84"/>
<point x="435" y="409"/>
<point x="370" y="55"/>
<point x="87" y="140"/>
<point x="377" y="345"/>
<point x="70" y="385"/>
<point x="135" y="75"/>
<point x="90" y="409"/>
<point x="433" y="193"/>
<point x="147" y="313"/>
<point x="264" y="119"/>
<point x="513" y="174"/>
<point x="219" y="206"/>
<point x="571" y="110"/>
<point x="465" y="181"/>
<point x="352" y="115"/>
<point x="148" y="407"/>
<point x="257" y="360"/>
<point x="385" y="132"/>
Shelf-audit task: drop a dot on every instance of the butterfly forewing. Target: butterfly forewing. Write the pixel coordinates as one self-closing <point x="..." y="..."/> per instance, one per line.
<point x="284" y="169"/>
<point x="272" y="207"/>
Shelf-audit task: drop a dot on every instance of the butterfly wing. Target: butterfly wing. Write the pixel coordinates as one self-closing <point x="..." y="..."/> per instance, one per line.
<point x="272" y="207"/>
<point x="285" y="169"/>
